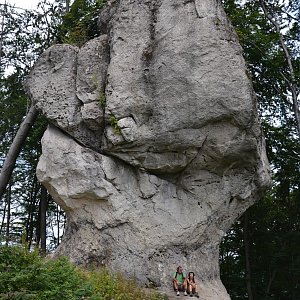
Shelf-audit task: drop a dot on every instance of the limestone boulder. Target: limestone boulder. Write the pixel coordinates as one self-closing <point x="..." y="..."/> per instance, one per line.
<point x="155" y="147"/>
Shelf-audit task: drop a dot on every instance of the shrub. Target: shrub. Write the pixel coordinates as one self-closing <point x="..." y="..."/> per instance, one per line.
<point x="25" y="275"/>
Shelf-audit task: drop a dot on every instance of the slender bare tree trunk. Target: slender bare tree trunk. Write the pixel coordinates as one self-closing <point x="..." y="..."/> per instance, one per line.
<point x="292" y="82"/>
<point x="43" y="211"/>
<point x="2" y="30"/>
<point x="31" y="210"/>
<point x="67" y="6"/>
<point x="3" y="218"/>
<point x="247" y="256"/>
<point x="58" y="223"/>
<point x="15" y="148"/>
<point x="8" y="201"/>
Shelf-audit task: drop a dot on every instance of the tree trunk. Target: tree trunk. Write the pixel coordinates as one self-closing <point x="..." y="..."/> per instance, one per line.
<point x="3" y="218"/>
<point x="15" y="148"/>
<point x="8" y="201"/>
<point x="43" y="210"/>
<point x="292" y="81"/>
<point x="2" y="35"/>
<point x="247" y="256"/>
<point x="57" y="223"/>
<point x="31" y="222"/>
<point x="67" y="6"/>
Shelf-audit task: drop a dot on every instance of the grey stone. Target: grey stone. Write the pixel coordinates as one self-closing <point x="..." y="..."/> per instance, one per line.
<point x="68" y="84"/>
<point x="164" y="148"/>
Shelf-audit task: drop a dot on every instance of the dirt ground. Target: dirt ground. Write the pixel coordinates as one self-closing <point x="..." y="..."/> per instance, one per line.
<point x="171" y="295"/>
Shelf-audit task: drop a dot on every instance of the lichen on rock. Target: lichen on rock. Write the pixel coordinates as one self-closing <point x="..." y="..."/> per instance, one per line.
<point x="155" y="147"/>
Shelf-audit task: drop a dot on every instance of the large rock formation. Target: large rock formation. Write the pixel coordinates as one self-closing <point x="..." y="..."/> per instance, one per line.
<point x="155" y="148"/>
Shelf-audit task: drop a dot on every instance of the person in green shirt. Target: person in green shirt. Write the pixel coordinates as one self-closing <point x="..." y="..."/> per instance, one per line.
<point x="179" y="281"/>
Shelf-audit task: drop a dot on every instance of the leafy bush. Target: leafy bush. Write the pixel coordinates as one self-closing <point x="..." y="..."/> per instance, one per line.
<point x="25" y="275"/>
<point x="107" y="286"/>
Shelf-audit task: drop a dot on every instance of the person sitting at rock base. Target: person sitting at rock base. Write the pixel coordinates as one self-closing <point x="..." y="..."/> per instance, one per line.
<point x="179" y="281"/>
<point x="191" y="285"/>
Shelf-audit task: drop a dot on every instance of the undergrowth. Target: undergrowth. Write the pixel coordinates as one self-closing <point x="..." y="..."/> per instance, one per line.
<point x="25" y="275"/>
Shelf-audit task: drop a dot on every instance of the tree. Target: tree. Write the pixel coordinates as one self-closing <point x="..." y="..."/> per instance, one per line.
<point x="80" y="22"/>
<point x="290" y="78"/>
<point x="25" y="35"/>
<point x="268" y="246"/>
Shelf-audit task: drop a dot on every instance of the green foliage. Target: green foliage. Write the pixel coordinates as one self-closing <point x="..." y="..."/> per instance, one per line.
<point x="108" y="286"/>
<point x="274" y="226"/>
<point x="114" y="124"/>
<point x="26" y="34"/>
<point x="264" y="55"/>
<point x="274" y="222"/>
<point x="80" y="24"/>
<point x="102" y="99"/>
<point x="25" y="275"/>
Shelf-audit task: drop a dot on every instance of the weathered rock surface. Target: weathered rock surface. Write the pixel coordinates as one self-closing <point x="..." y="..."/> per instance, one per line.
<point x="155" y="148"/>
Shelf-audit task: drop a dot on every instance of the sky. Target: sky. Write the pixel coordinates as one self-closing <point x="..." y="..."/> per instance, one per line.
<point x="28" y="4"/>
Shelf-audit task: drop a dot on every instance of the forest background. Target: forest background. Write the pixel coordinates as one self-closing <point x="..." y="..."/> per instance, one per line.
<point x="260" y="255"/>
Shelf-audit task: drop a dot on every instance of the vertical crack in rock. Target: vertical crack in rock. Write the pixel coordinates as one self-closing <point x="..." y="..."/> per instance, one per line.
<point x="104" y="23"/>
<point x="154" y="176"/>
<point x="196" y="9"/>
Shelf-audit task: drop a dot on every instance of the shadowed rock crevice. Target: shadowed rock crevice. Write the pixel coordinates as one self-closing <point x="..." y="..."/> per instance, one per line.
<point x="157" y="148"/>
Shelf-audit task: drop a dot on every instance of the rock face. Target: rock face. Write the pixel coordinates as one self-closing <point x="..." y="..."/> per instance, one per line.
<point x="155" y="148"/>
